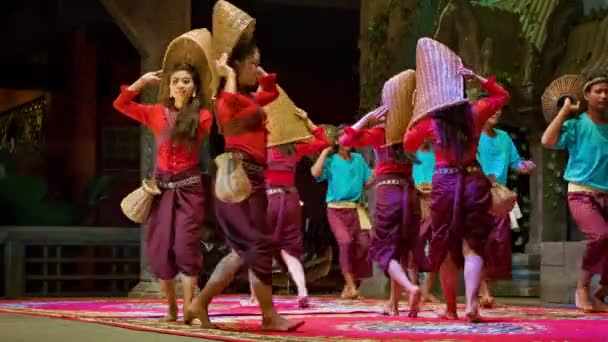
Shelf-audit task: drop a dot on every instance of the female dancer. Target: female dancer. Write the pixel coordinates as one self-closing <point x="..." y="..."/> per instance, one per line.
<point x="496" y="155"/>
<point x="241" y="120"/>
<point x="397" y="211"/>
<point x="396" y="217"/>
<point x="460" y="200"/>
<point x="284" y="208"/>
<point x="176" y="217"/>
<point x="585" y="137"/>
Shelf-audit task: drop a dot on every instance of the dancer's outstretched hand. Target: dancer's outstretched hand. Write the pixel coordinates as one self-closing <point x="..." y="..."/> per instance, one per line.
<point x="153" y="77"/>
<point x="223" y="69"/>
<point x="376" y="117"/>
<point x="526" y="167"/>
<point x="569" y="107"/>
<point x="260" y="72"/>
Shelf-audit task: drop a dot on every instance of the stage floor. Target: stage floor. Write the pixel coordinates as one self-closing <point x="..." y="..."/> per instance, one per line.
<point x="328" y="319"/>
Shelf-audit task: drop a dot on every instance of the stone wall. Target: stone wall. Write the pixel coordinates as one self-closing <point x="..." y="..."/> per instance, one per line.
<point x="560" y="269"/>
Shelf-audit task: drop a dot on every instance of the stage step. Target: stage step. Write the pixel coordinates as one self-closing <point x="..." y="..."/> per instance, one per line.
<point x="516" y="288"/>
<point x="525" y="278"/>
<point x="528" y="261"/>
<point x="524" y="282"/>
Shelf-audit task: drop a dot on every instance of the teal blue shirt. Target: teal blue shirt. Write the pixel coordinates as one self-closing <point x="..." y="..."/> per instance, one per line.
<point x="497" y="155"/>
<point x="345" y="178"/>
<point x="423" y="172"/>
<point x="587" y="145"/>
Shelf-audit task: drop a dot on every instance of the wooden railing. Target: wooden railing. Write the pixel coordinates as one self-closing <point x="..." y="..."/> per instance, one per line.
<point x="69" y="261"/>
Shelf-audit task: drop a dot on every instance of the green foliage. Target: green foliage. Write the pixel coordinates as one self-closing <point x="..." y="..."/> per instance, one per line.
<point x="382" y="62"/>
<point x="553" y="183"/>
<point x="25" y="200"/>
<point x="97" y="189"/>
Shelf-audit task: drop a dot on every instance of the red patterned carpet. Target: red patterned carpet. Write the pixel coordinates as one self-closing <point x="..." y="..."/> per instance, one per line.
<point x="329" y="319"/>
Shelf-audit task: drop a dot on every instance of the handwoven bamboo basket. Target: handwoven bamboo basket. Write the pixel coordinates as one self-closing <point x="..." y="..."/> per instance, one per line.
<point x="562" y="87"/>
<point x="136" y="205"/>
<point x="195" y="48"/>
<point x="439" y="82"/>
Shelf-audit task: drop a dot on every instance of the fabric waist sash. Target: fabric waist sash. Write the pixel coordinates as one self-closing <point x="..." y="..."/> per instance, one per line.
<point x="280" y="190"/>
<point x="178" y="184"/>
<point x="575" y="187"/>
<point x="393" y="181"/>
<point x="362" y="213"/>
<point x="452" y="170"/>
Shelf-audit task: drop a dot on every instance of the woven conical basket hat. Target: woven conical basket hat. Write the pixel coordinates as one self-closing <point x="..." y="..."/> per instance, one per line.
<point x="439" y="83"/>
<point x="230" y="23"/>
<point x="565" y="86"/>
<point x="397" y="96"/>
<point x="194" y="48"/>
<point x="285" y="122"/>
<point x="330" y="132"/>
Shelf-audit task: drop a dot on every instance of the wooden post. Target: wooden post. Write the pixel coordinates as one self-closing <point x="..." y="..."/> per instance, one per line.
<point x="150" y="25"/>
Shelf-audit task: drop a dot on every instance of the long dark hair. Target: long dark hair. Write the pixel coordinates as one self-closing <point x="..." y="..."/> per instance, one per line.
<point x="243" y="49"/>
<point x="455" y="129"/>
<point x="402" y="156"/>
<point x="185" y="129"/>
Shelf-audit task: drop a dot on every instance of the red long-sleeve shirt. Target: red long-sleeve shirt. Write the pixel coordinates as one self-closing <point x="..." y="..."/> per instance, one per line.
<point x="376" y="138"/>
<point x="170" y="157"/>
<point x="235" y="106"/>
<point x="281" y="169"/>
<point x="482" y="110"/>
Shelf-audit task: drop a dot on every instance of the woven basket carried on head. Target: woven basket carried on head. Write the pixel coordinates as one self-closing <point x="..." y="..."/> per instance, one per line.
<point x="195" y="48"/>
<point x="136" y="205"/>
<point x="229" y="25"/>
<point x="555" y="94"/>
<point x="439" y="81"/>
<point x="397" y="96"/>
<point x="286" y="123"/>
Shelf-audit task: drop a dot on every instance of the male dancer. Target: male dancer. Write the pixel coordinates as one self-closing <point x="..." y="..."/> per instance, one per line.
<point x="496" y="155"/>
<point x="586" y="137"/>
<point x="347" y="175"/>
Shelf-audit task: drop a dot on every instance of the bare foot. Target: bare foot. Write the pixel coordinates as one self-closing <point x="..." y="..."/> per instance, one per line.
<point x="391" y="309"/>
<point x="473" y="317"/>
<point x="472" y="311"/>
<point x="451" y="316"/>
<point x="171" y="315"/>
<point x="251" y="301"/>
<point x="430" y="298"/>
<point x="599" y="306"/>
<point x="350" y="293"/>
<point x="202" y="314"/>
<point x="583" y="300"/>
<point x="414" y="301"/>
<point x="489" y="302"/>
<point x="303" y="302"/>
<point x="601" y="293"/>
<point x="280" y="324"/>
